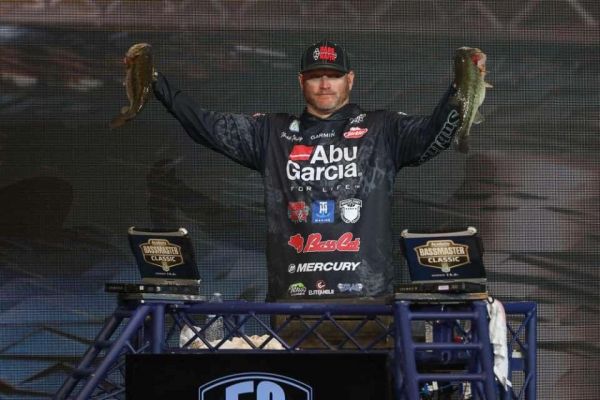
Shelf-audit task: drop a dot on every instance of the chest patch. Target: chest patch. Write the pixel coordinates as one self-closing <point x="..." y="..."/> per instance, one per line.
<point x="350" y="210"/>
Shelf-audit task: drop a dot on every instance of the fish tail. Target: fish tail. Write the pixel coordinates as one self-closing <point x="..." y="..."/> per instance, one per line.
<point x="118" y="121"/>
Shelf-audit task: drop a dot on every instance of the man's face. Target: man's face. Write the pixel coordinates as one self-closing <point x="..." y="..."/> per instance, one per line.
<point x="326" y="90"/>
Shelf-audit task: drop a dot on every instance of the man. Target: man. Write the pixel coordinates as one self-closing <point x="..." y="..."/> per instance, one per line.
<point x="328" y="176"/>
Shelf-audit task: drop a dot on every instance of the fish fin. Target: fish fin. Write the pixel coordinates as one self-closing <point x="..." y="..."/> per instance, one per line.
<point x="478" y="118"/>
<point x="117" y="121"/>
<point x="488" y="85"/>
<point x="124" y="109"/>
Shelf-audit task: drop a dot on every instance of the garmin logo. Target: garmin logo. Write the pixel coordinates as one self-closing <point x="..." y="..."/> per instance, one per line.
<point x="255" y="386"/>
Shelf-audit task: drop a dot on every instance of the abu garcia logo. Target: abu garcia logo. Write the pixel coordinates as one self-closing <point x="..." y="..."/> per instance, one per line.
<point x="255" y="386"/>
<point x="329" y="163"/>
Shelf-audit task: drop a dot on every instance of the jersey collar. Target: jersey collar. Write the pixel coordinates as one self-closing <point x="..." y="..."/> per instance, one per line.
<point x="350" y="110"/>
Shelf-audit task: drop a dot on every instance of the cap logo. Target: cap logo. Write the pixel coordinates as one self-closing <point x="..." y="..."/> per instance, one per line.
<point x="316" y="54"/>
<point x="326" y="53"/>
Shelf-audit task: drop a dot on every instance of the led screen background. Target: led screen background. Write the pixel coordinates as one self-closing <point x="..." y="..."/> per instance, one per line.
<point x="70" y="187"/>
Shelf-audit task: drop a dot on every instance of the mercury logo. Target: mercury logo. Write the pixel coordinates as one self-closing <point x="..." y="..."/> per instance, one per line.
<point x="255" y="386"/>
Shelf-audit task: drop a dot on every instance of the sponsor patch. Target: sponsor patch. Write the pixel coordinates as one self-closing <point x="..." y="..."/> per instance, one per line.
<point x="295" y="126"/>
<point x="297" y="289"/>
<point x="350" y="210"/>
<point x="301" y="152"/>
<point x="321" y="292"/>
<point x="323" y="135"/>
<point x="298" y="211"/>
<point x="328" y="163"/>
<point x="444" y="136"/>
<point x="291" y="137"/>
<point x="350" y="287"/>
<point x="355" y="132"/>
<point x="321" y="289"/>
<point x="323" y="211"/>
<point x="325" y="53"/>
<point x="315" y="244"/>
<point x="330" y="266"/>
<point x="358" y="119"/>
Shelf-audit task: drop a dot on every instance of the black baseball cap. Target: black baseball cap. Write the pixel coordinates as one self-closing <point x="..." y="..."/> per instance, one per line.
<point x="325" y="54"/>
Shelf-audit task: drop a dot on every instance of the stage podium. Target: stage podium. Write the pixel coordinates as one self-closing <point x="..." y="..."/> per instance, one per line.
<point x="459" y="356"/>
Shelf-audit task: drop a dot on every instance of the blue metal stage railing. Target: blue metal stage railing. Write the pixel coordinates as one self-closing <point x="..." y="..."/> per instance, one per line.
<point x="153" y="326"/>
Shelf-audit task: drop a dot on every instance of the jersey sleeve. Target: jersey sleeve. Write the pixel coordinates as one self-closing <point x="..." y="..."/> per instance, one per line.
<point x="416" y="139"/>
<point x="237" y="136"/>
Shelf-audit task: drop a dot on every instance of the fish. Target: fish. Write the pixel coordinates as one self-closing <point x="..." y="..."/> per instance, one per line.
<point x="138" y="82"/>
<point x="470" y="84"/>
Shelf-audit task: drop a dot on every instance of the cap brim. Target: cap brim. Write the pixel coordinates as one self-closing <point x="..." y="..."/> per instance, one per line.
<point x="334" y="67"/>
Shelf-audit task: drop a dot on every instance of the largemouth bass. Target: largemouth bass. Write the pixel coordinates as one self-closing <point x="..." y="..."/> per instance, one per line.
<point x="138" y="82"/>
<point x="469" y="78"/>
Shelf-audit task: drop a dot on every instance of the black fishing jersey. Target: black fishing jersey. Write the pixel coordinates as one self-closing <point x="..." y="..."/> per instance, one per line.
<point x="328" y="186"/>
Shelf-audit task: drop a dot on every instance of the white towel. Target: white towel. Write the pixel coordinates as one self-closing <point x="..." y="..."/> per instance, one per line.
<point x="498" y="338"/>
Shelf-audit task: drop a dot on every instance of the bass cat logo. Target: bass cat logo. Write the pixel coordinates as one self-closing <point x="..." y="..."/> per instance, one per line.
<point x="316" y="244"/>
<point x="255" y="386"/>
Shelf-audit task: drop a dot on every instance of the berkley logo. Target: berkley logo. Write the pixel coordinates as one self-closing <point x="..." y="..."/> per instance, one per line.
<point x="315" y="244"/>
<point x="162" y="253"/>
<point x="255" y="386"/>
<point x="443" y="254"/>
<point x="355" y="132"/>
